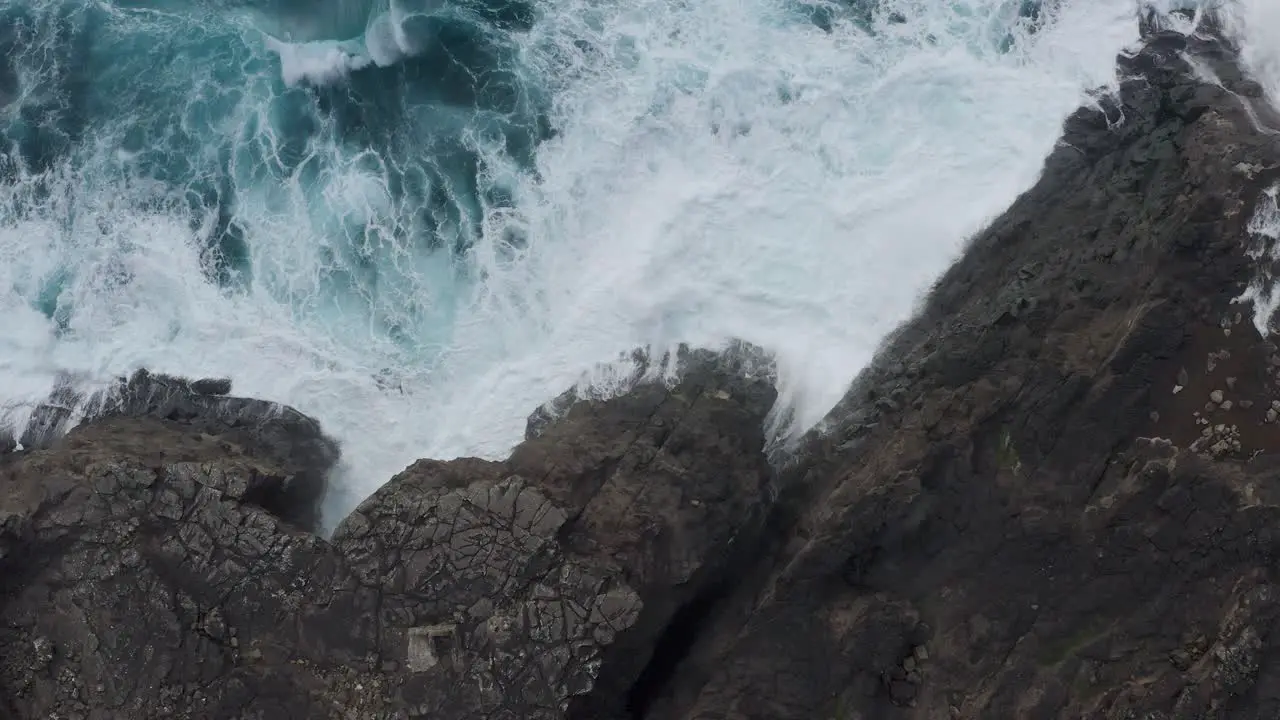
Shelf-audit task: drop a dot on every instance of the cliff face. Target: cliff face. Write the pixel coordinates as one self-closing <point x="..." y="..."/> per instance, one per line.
<point x="155" y="566"/>
<point x="1056" y="494"/>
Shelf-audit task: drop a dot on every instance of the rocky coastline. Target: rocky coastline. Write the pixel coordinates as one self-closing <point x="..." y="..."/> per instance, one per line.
<point x="1055" y="494"/>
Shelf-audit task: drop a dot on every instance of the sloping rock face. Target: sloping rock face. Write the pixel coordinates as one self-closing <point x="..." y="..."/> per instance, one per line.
<point x="152" y="569"/>
<point x="563" y="566"/>
<point x="1057" y="494"/>
<point x="260" y="429"/>
<point x="141" y="551"/>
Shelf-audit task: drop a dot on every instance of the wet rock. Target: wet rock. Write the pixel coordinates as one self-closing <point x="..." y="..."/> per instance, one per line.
<point x="256" y="426"/>
<point x="153" y="567"/>
<point x="1022" y="510"/>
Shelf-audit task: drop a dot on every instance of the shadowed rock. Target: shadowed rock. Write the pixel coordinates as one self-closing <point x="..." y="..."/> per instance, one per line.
<point x="987" y="529"/>
<point x="152" y="569"/>
<point x="260" y="428"/>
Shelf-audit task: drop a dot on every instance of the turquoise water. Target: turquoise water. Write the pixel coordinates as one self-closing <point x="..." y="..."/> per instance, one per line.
<point x="184" y="111"/>
<point x="418" y="220"/>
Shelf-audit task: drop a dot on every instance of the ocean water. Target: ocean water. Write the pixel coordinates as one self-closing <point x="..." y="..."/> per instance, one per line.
<point x="417" y="220"/>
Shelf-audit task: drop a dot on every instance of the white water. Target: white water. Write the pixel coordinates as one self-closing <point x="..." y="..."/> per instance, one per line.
<point x="1255" y="26"/>
<point x="722" y="169"/>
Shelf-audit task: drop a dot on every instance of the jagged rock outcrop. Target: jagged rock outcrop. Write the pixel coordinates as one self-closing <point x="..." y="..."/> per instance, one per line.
<point x="990" y="535"/>
<point x="259" y="428"/>
<point x="152" y="569"/>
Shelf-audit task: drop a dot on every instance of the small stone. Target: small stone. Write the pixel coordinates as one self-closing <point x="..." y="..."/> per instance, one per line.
<point x="1155" y="416"/>
<point x="1227" y="332"/>
<point x="1177" y="389"/>
<point x="1210" y="407"/>
<point x="1207" y="432"/>
<point x="1183" y="377"/>
<point x="1226" y="405"/>
<point x="1216" y="396"/>
<point x="1275" y="405"/>
<point x="1231" y="383"/>
<point x="1271" y="415"/>
<point x="909" y="664"/>
<point x="920" y="652"/>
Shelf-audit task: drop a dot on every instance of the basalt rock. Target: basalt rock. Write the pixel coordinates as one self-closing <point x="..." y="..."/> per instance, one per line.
<point x="260" y="428"/>
<point x="153" y="567"/>
<point x="1055" y="517"/>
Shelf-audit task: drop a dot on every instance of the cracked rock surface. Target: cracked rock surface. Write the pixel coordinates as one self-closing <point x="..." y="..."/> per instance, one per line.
<point x="1060" y="480"/>
<point x="149" y="572"/>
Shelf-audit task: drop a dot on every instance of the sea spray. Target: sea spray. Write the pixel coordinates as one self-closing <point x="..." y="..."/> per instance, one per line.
<point x="420" y="252"/>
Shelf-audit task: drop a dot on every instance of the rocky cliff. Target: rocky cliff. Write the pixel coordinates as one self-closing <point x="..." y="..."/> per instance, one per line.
<point x="1055" y="494"/>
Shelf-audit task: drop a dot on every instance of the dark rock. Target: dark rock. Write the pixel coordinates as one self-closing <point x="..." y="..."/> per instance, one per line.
<point x="145" y="562"/>
<point x="211" y="386"/>
<point x="259" y="428"/>
<point x="154" y="567"/>
<point x="626" y="513"/>
<point x="1015" y="509"/>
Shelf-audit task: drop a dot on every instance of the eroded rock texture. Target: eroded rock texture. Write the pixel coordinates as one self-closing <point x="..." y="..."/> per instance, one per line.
<point x="989" y="536"/>
<point x="149" y="572"/>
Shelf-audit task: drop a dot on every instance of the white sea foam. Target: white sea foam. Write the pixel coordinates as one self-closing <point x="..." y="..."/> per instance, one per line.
<point x="1263" y="292"/>
<point x="319" y="62"/>
<point x="722" y="168"/>
<point x="1254" y="25"/>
